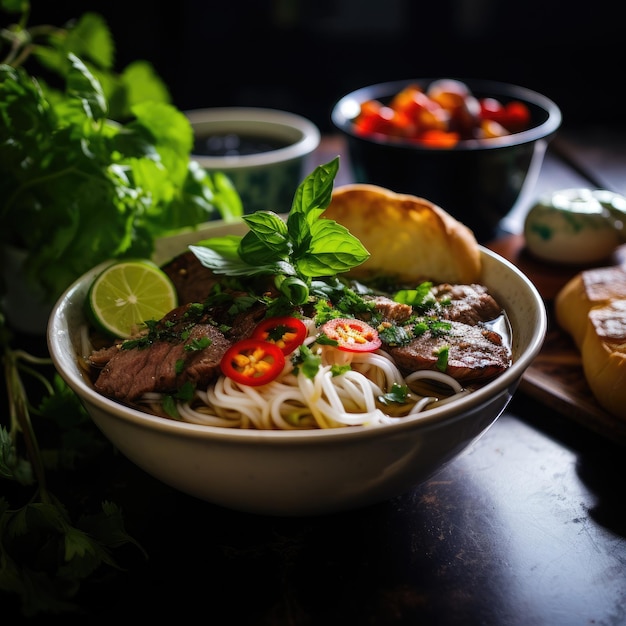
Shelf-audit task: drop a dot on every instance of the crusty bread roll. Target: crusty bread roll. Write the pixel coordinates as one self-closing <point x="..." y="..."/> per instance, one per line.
<point x="591" y="307"/>
<point x="407" y="237"/>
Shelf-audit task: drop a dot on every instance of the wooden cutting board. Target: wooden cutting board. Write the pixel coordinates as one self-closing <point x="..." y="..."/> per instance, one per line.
<point x="555" y="377"/>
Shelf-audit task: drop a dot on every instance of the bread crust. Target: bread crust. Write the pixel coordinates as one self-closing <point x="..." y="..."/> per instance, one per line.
<point x="408" y="237"/>
<point x="591" y="307"/>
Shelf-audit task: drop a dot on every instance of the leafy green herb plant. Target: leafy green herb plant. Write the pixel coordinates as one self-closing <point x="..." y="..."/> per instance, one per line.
<point x="93" y="164"/>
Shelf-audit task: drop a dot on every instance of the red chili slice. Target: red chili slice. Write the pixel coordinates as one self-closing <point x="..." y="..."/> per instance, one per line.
<point x="253" y="362"/>
<point x="352" y="335"/>
<point x="286" y="332"/>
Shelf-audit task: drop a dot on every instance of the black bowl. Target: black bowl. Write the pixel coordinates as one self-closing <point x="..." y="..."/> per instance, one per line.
<point x="477" y="181"/>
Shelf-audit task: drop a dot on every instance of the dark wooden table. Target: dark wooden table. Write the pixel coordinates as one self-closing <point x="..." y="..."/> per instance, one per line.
<point x="527" y="527"/>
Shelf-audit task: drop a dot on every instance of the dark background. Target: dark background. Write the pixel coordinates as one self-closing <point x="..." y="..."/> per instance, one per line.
<point x="302" y="55"/>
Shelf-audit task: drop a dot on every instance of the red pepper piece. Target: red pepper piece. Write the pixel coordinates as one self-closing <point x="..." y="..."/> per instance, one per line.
<point x="253" y="362"/>
<point x="286" y="332"/>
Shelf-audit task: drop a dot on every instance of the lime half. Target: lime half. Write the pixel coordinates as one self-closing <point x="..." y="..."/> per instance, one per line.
<point x="127" y="294"/>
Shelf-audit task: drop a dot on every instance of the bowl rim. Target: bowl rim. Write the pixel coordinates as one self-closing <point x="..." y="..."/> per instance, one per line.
<point x="58" y="334"/>
<point x="343" y="121"/>
<point x="270" y="119"/>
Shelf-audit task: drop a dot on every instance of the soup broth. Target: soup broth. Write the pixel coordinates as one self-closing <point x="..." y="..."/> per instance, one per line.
<point x="233" y="144"/>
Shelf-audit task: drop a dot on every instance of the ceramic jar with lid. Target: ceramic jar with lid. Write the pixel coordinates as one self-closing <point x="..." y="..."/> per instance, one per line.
<point x="576" y="226"/>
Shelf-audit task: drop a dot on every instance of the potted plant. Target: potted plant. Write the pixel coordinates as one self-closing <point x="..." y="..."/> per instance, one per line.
<point x="94" y="164"/>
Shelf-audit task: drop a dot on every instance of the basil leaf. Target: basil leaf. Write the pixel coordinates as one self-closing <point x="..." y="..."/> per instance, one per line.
<point x="300" y="233"/>
<point x="267" y="224"/>
<point x="314" y="193"/>
<point x="267" y="240"/>
<point x="255" y="249"/>
<point x="212" y="191"/>
<point x="235" y="266"/>
<point x="293" y="288"/>
<point x="220" y="264"/>
<point x="333" y="250"/>
<point x="226" y="246"/>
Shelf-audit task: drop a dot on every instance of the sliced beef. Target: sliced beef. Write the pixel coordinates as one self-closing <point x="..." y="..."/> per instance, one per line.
<point x="392" y="311"/>
<point x="244" y="323"/>
<point x="469" y="304"/>
<point x="192" y="280"/>
<point x="155" y="365"/>
<point x="195" y="283"/>
<point x="475" y="353"/>
<point x="99" y="358"/>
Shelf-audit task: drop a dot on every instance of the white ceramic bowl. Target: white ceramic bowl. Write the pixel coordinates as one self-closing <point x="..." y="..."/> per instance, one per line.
<point x="264" y="180"/>
<point x="303" y="472"/>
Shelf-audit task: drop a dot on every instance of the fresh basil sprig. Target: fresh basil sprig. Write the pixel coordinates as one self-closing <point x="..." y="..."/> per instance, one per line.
<point x="295" y="250"/>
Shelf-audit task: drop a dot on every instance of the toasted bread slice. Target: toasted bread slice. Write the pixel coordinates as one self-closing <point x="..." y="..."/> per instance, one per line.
<point x="408" y="238"/>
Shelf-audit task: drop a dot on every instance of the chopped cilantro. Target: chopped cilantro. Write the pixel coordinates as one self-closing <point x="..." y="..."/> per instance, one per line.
<point x="306" y="362"/>
<point x="420" y="298"/>
<point x="420" y="328"/>
<point x="198" y="344"/>
<point x="439" y="328"/>
<point x="396" y="395"/>
<point x="324" y="340"/>
<point x="392" y="335"/>
<point x="169" y="406"/>
<point x="442" y="358"/>
<point x="338" y="370"/>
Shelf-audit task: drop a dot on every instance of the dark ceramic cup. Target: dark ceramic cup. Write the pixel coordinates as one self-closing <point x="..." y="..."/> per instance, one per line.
<point x="477" y="181"/>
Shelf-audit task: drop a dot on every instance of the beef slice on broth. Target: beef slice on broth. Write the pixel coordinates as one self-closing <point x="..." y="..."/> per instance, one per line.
<point x="174" y="352"/>
<point x="193" y="281"/>
<point x="155" y="364"/>
<point x="475" y="353"/>
<point x="469" y="304"/>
